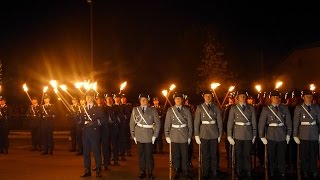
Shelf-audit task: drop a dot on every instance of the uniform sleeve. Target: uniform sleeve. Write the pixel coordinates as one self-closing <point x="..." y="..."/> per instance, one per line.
<point x="318" y="118"/>
<point x="296" y="121"/>
<point x="190" y="124"/>
<point x="262" y="122"/>
<point x="254" y="121"/>
<point x="197" y="119"/>
<point x="230" y="122"/>
<point x="167" y="124"/>
<point x="132" y="123"/>
<point x="220" y="123"/>
<point x="157" y="123"/>
<point x="288" y="121"/>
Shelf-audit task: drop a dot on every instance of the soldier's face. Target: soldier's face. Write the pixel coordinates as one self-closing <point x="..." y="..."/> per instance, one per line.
<point x="144" y="101"/>
<point x="307" y="99"/>
<point x="178" y="101"/>
<point x="34" y="102"/>
<point x="117" y="100"/>
<point x="82" y="102"/>
<point x="156" y="102"/>
<point x="109" y="100"/>
<point x="89" y="99"/>
<point x="124" y="100"/>
<point x="46" y="100"/>
<point x="74" y="102"/>
<point x="100" y="101"/>
<point x="275" y="99"/>
<point x="242" y="98"/>
<point x="207" y="98"/>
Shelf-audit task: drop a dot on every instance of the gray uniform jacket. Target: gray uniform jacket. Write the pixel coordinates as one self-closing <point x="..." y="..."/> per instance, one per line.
<point x="306" y="132"/>
<point x="275" y="133"/>
<point x="208" y="131"/>
<point x="242" y="132"/>
<point x="178" y="135"/>
<point x="149" y="117"/>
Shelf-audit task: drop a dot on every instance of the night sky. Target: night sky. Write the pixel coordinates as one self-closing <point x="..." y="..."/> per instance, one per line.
<point x="150" y="45"/>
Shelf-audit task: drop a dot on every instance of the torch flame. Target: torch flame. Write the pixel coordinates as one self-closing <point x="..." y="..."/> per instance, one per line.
<point x="165" y="93"/>
<point x="55" y="90"/>
<point x="78" y="85"/>
<point x="279" y="84"/>
<point x="45" y="89"/>
<point x="54" y="83"/>
<point x="94" y="86"/>
<point x="63" y="87"/>
<point x="172" y="87"/>
<point x="123" y="85"/>
<point x="258" y="88"/>
<point x="312" y="87"/>
<point x="231" y="88"/>
<point x="25" y="88"/>
<point x="215" y="85"/>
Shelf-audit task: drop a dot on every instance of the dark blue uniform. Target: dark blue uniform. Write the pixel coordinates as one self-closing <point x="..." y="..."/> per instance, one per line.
<point x="114" y="126"/>
<point x="73" y="117"/>
<point x="34" y="116"/>
<point x="48" y="115"/>
<point x="5" y="114"/>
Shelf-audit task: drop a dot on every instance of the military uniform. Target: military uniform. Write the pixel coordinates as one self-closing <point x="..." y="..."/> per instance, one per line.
<point x="144" y="128"/>
<point x="243" y="128"/>
<point x="126" y="109"/>
<point x="306" y="132"/>
<point x="208" y="127"/>
<point x="276" y="126"/>
<point x="74" y="118"/>
<point x="48" y="115"/>
<point x="34" y="116"/>
<point x="159" y="143"/>
<point x="178" y="128"/>
<point x="5" y="115"/>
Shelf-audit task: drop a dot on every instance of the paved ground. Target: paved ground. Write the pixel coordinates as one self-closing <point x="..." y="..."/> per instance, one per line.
<point x="22" y="164"/>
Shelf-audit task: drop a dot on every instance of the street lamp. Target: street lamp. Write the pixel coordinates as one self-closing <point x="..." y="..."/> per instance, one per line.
<point x="91" y="38"/>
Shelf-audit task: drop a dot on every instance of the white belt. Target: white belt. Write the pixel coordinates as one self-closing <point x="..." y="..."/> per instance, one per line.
<point x="309" y="123"/>
<point x="145" y="125"/>
<point x="243" y="124"/>
<point x="208" y="122"/>
<point x="276" y="124"/>
<point x="179" y="126"/>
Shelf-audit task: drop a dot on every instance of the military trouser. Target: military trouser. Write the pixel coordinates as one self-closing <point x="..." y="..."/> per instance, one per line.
<point x="47" y="135"/>
<point x="159" y="142"/>
<point x="123" y="130"/>
<point x="128" y="138"/>
<point x="308" y="156"/>
<point x="79" y="137"/>
<point x="91" y="140"/>
<point x="73" y="135"/>
<point x="114" y="137"/>
<point x="35" y="127"/>
<point x="4" y="139"/>
<point x="243" y="155"/>
<point x="146" y="160"/>
<point x="105" y="140"/>
<point x="277" y="156"/>
<point x="209" y="149"/>
<point x="180" y="158"/>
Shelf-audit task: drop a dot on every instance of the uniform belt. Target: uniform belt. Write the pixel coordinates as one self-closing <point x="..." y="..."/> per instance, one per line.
<point x="309" y="123"/>
<point x="179" y="126"/>
<point x="243" y="124"/>
<point x="208" y="122"/>
<point x="276" y="124"/>
<point x="145" y="125"/>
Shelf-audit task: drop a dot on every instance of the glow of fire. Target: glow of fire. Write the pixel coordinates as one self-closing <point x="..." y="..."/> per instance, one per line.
<point x="215" y="85"/>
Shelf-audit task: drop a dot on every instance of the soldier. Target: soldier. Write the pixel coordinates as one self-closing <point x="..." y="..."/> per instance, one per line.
<point x="113" y="125"/>
<point x="231" y="102"/>
<point x="306" y="133"/>
<point x="34" y="116"/>
<point x="126" y="109"/>
<point x="241" y="132"/>
<point x="275" y="128"/>
<point x="158" y="142"/>
<point x="208" y="131"/>
<point x="5" y="116"/>
<point x="80" y="125"/>
<point x="178" y="131"/>
<point x="48" y="115"/>
<point x="73" y="117"/>
<point x="145" y="127"/>
<point x="92" y="117"/>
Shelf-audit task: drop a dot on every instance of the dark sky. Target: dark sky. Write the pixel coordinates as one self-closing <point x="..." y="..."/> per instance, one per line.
<point x="148" y="44"/>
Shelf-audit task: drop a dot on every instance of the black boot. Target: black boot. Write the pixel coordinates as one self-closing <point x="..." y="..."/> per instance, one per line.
<point x="87" y="173"/>
<point x="150" y="175"/>
<point x="205" y="175"/>
<point x="175" y="174"/>
<point x="142" y="175"/>
<point x="98" y="172"/>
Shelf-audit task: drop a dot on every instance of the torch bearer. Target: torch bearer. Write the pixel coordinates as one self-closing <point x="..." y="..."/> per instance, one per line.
<point x="45" y="89"/>
<point x="25" y="88"/>
<point x="231" y="88"/>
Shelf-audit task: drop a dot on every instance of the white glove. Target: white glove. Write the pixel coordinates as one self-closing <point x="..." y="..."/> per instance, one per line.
<point x="264" y="141"/>
<point x="296" y="139"/>
<point x="219" y="139"/>
<point x="198" y="139"/>
<point x="253" y="139"/>
<point x="288" y="139"/>
<point x="153" y="139"/>
<point x="189" y="141"/>
<point x="135" y="140"/>
<point x="231" y="140"/>
<point x="168" y="140"/>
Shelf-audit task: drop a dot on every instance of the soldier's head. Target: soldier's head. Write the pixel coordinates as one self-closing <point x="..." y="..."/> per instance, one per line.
<point x="117" y="98"/>
<point x="307" y="96"/>
<point x="155" y="101"/>
<point x="123" y="99"/>
<point x="207" y="96"/>
<point x="74" y="101"/>
<point x="109" y="99"/>
<point x="144" y="99"/>
<point x="83" y="100"/>
<point x="178" y="98"/>
<point x="275" y="97"/>
<point x="250" y="100"/>
<point x="90" y="97"/>
<point x="242" y="96"/>
<point x="46" y="99"/>
<point x="34" y="101"/>
<point x="100" y="99"/>
<point x="231" y="99"/>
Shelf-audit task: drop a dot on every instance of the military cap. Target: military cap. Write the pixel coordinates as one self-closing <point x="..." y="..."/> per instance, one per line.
<point x="82" y="98"/>
<point x="178" y="94"/>
<point x="100" y="96"/>
<point x="108" y="95"/>
<point x="207" y="92"/>
<point x="295" y="93"/>
<point x="123" y="96"/>
<point x="46" y="96"/>
<point x="34" y="98"/>
<point x="155" y="99"/>
<point x="306" y="92"/>
<point x="144" y="95"/>
<point x="275" y="93"/>
<point x="90" y="93"/>
<point x="117" y="96"/>
<point x="242" y="92"/>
